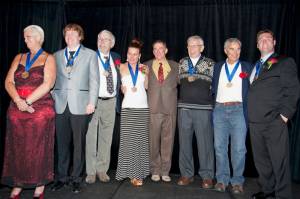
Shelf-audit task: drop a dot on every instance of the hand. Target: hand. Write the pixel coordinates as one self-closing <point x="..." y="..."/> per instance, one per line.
<point x="123" y="89"/>
<point x="21" y="104"/>
<point x="285" y="119"/>
<point x="30" y="109"/>
<point x="90" y="108"/>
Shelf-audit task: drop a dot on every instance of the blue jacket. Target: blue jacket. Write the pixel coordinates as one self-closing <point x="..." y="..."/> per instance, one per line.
<point x="246" y="68"/>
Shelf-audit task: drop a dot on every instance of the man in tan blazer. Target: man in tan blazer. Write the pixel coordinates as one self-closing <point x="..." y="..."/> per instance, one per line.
<point x="162" y="99"/>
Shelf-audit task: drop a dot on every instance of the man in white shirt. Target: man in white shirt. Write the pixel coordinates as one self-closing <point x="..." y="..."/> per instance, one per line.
<point x="101" y="126"/>
<point x="229" y="88"/>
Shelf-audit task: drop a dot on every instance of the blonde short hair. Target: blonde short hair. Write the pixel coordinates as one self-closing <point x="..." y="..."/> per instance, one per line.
<point x="36" y="30"/>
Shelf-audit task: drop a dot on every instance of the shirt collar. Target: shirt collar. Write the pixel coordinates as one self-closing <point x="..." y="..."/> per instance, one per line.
<point x="264" y="58"/>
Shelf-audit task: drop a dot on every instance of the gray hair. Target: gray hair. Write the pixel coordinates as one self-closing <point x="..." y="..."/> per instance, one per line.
<point x="36" y="30"/>
<point x="112" y="37"/>
<point x="232" y="40"/>
<point x="195" y="37"/>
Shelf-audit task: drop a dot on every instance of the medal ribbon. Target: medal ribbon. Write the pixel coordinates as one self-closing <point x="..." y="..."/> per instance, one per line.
<point x="134" y="76"/>
<point x="106" y="64"/>
<point x="192" y="69"/>
<point x="231" y="75"/>
<point x="29" y="62"/>
<point x="70" y="61"/>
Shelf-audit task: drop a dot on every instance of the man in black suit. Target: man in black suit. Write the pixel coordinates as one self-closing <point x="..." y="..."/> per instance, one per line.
<point x="272" y="101"/>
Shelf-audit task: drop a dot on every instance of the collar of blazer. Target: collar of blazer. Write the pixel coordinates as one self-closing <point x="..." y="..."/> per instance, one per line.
<point x="268" y="64"/>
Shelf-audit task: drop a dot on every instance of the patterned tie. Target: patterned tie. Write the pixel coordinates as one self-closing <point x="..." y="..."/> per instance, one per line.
<point x="160" y="73"/>
<point x="109" y="78"/>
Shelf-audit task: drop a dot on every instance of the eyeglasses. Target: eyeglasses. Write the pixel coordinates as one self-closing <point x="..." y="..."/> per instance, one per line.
<point x="194" y="46"/>
<point x="104" y="39"/>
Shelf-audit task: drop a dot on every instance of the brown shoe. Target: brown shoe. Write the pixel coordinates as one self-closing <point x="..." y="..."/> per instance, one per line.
<point x="207" y="183"/>
<point x="237" y="189"/>
<point x="185" y="180"/>
<point x="220" y="187"/>
<point x="103" y="177"/>
<point x="90" y="179"/>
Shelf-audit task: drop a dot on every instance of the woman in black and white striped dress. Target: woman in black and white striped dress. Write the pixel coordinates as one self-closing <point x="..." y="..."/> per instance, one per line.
<point x="133" y="160"/>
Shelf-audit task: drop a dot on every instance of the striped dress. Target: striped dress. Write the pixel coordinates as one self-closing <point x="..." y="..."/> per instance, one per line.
<point x="133" y="159"/>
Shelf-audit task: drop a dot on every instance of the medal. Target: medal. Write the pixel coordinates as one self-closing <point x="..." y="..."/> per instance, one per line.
<point x="231" y="75"/>
<point x="105" y="73"/>
<point x="25" y="75"/>
<point x="134" y="89"/>
<point x="105" y="64"/>
<point x="191" y="78"/>
<point x="229" y="84"/>
<point x="29" y="63"/>
<point x="192" y="70"/>
<point x="134" y="75"/>
<point x="70" y="60"/>
<point x="68" y="69"/>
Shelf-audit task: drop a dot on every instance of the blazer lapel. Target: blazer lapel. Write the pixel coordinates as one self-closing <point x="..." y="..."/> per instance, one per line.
<point x="78" y="58"/>
<point x="63" y="62"/>
<point x="265" y="66"/>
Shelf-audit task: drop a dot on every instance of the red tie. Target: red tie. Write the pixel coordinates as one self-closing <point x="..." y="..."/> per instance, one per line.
<point x="160" y="73"/>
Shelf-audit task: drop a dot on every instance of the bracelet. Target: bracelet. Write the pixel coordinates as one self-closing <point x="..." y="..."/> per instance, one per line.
<point x="28" y="103"/>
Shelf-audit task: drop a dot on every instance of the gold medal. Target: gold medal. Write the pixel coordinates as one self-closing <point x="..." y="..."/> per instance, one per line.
<point x="191" y="78"/>
<point x="229" y="84"/>
<point x="25" y="75"/>
<point x="134" y="89"/>
<point x="105" y="73"/>
<point x="68" y="69"/>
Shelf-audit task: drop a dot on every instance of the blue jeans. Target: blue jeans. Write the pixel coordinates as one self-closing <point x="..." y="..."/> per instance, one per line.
<point x="229" y="122"/>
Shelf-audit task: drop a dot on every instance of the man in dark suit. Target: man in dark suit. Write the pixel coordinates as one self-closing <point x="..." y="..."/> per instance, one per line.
<point x="229" y="88"/>
<point x="75" y="94"/>
<point x="272" y="101"/>
<point x="101" y="127"/>
<point x="162" y="99"/>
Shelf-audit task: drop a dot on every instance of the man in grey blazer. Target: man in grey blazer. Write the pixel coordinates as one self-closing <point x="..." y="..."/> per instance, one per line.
<point x="162" y="99"/>
<point x="75" y="94"/>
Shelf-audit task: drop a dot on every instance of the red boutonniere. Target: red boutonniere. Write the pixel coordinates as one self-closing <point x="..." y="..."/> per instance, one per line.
<point x="271" y="61"/>
<point x="117" y="62"/>
<point x="243" y="75"/>
<point x="143" y="69"/>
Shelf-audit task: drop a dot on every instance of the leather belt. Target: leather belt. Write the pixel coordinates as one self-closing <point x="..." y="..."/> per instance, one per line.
<point x="230" y="103"/>
<point x="105" y="98"/>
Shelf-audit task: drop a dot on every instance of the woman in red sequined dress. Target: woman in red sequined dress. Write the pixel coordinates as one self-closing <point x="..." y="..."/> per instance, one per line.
<point x="29" y="142"/>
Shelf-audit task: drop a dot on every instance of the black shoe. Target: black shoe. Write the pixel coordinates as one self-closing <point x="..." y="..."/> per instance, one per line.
<point x="57" y="185"/>
<point x="76" y="187"/>
<point x="262" y="195"/>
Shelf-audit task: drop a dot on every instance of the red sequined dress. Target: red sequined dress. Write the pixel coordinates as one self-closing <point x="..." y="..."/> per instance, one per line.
<point x="29" y="142"/>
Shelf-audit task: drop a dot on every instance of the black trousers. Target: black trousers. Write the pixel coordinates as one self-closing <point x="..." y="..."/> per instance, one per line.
<point x="70" y="141"/>
<point x="270" y="146"/>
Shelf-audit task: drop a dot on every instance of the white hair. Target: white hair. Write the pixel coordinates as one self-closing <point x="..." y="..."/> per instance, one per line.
<point x="232" y="40"/>
<point x="195" y="37"/>
<point x="112" y="37"/>
<point x="37" y="30"/>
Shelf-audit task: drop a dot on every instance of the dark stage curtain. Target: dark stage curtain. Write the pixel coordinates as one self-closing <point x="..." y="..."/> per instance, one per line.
<point x="172" y="21"/>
